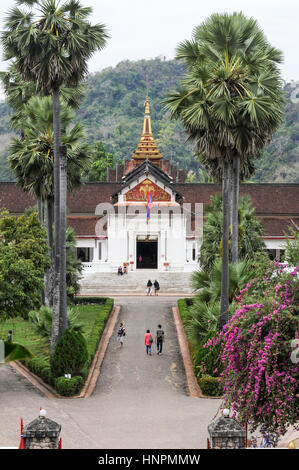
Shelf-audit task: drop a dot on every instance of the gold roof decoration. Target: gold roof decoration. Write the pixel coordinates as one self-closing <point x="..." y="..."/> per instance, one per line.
<point x="147" y="147"/>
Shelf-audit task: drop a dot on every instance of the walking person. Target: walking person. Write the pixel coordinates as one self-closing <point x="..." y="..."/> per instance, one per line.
<point x="121" y="334"/>
<point x="148" y="341"/>
<point x="157" y="287"/>
<point x="159" y="339"/>
<point x="149" y="287"/>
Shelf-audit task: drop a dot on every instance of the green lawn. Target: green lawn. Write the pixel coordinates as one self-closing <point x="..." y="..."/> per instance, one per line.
<point x="23" y="332"/>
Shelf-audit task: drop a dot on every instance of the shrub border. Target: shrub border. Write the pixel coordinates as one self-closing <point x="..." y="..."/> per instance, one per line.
<point x="179" y="314"/>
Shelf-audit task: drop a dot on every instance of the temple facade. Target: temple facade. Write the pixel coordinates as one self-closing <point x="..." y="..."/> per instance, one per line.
<point x="145" y="226"/>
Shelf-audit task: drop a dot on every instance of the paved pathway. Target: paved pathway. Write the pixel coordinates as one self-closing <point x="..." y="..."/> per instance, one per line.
<point x="139" y="401"/>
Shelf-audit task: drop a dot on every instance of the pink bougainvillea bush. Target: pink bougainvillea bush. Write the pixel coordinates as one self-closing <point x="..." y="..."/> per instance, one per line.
<point x="261" y="371"/>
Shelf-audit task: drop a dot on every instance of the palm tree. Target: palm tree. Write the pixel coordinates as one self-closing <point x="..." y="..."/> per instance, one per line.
<point x="32" y="156"/>
<point x="230" y="103"/>
<point x="208" y="286"/>
<point x="250" y="232"/>
<point x="18" y="93"/>
<point x="204" y="313"/>
<point x="50" y="47"/>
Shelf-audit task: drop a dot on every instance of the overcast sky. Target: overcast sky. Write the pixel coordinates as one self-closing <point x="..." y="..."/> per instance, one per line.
<point x="147" y="29"/>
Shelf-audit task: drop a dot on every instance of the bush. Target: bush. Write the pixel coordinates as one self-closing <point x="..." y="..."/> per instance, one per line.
<point x="85" y="372"/>
<point x="68" y="387"/>
<point x="70" y="354"/>
<point x="98" y="327"/>
<point x="41" y="368"/>
<point x="210" y="386"/>
<point x="203" y="320"/>
<point x="90" y="300"/>
<point x="292" y="250"/>
<point x="183" y="306"/>
<point x="207" y="361"/>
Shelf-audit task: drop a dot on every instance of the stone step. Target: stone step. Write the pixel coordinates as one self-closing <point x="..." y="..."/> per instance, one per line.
<point x="135" y="282"/>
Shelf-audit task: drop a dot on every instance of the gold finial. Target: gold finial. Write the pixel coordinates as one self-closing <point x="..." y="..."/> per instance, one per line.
<point x="147" y="149"/>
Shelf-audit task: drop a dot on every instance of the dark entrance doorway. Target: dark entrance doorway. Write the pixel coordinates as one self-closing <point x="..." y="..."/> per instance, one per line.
<point x="147" y="254"/>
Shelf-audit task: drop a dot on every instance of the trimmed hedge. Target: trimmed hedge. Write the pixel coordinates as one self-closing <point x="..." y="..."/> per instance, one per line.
<point x="98" y="328"/>
<point x="91" y="300"/>
<point x="210" y="386"/>
<point x="41" y="368"/>
<point x="183" y="306"/>
<point x="69" y="387"/>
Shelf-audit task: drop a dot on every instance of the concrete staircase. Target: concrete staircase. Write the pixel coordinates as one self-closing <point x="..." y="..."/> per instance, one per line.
<point x="135" y="282"/>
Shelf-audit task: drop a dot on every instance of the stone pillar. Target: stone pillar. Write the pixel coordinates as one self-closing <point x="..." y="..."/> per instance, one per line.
<point x="42" y="433"/>
<point x="226" y="433"/>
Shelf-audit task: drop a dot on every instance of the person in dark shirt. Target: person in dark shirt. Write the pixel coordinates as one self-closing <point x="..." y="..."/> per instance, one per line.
<point x="121" y="334"/>
<point x="157" y="287"/>
<point x="9" y="336"/>
<point x="149" y="287"/>
<point x="159" y="339"/>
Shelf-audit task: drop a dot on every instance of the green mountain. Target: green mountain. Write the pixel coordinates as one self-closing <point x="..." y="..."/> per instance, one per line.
<point x="113" y="108"/>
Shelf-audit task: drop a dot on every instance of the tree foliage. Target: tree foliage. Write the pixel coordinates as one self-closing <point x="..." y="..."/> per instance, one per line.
<point x="42" y="321"/>
<point x="23" y="261"/>
<point x="292" y="248"/>
<point x="32" y="154"/>
<point x="101" y="160"/>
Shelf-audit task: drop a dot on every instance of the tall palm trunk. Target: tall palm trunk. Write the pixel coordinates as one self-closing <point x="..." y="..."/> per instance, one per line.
<point x="63" y="193"/>
<point x="224" y="300"/>
<point x="40" y="209"/>
<point x="56" y="290"/>
<point x="41" y="217"/>
<point x="235" y="210"/>
<point x="49" y="275"/>
<point x="230" y="218"/>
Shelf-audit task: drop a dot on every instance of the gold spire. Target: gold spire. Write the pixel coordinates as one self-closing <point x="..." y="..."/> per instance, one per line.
<point x="147" y="147"/>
